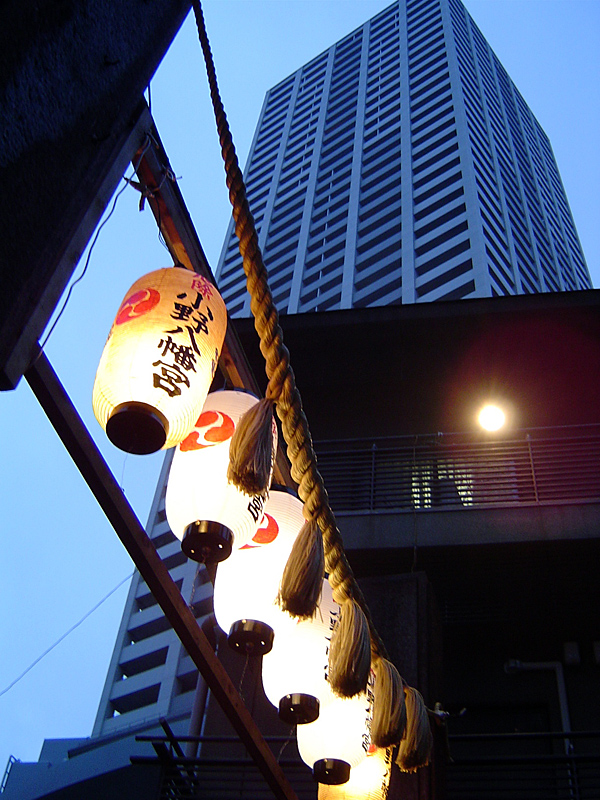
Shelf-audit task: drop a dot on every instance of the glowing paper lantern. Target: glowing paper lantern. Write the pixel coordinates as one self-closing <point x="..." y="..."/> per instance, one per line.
<point x="247" y="584"/>
<point x="295" y="671"/>
<point x="206" y="512"/>
<point x="159" y="360"/>
<point x="370" y="780"/>
<point x="339" y="739"/>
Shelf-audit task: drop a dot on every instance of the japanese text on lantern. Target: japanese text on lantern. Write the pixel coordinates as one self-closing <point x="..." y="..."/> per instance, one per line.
<point x="334" y="617"/>
<point x="179" y="348"/>
<point x="370" y="699"/>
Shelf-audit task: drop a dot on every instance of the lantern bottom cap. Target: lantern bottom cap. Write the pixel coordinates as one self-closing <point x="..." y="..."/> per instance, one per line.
<point x="298" y="708"/>
<point x="251" y="637"/>
<point x="207" y="542"/>
<point x="332" y="771"/>
<point x="137" y="428"/>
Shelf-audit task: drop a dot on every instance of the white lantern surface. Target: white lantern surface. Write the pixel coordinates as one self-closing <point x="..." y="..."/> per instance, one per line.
<point x="247" y="584"/>
<point x="295" y="672"/>
<point x="206" y="512"/>
<point x="339" y="739"/>
<point x="159" y="360"/>
<point x="370" y="780"/>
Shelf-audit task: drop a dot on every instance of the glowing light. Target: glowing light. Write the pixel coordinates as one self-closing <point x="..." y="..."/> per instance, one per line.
<point x="247" y="583"/>
<point x="297" y="666"/>
<point x="339" y="739"/>
<point x="491" y="418"/>
<point x="208" y="514"/>
<point x="368" y="781"/>
<point x="159" y="360"/>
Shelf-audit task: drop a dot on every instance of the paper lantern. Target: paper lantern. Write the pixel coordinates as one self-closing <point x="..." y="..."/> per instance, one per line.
<point x="206" y="512"/>
<point x="295" y="671"/>
<point x="247" y="584"/>
<point x="159" y="360"/>
<point x="339" y="739"/>
<point x="370" y="780"/>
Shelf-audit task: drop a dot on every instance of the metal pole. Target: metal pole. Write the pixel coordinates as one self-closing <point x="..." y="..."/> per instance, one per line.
<point x="533" y="478"/>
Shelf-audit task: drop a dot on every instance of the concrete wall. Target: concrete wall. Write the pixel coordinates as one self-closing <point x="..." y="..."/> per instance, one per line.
<point x="468" y="526"/>
<point x="72" y="75"/>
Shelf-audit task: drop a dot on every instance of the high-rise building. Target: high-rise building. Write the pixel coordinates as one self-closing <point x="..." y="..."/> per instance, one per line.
<point x="402" y="165"/>
<point x="151" y="675"/>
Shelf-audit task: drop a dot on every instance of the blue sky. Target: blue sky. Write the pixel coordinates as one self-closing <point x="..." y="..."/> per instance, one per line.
<point x="60" y="556"/>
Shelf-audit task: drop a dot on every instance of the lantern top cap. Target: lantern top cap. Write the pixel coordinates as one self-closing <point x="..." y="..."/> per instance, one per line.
<point x="239" y="389"/>
<point x="279" y="487"/>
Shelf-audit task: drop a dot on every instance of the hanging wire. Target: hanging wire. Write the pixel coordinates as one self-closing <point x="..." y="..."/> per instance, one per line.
<point x="160" y="236"/>
<point x="91" y="248"/>
<point x="85" y="267"/>
<point x="194" y="587"/>
<point x="243" y="675"/>
<point x="146" y="192"/>
<point x="122" y="481"/>
<point x="64" y="636"/>
<point x="287" y="741"/>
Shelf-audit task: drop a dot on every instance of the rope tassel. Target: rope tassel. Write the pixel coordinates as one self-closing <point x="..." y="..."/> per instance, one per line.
<point x="350" y="651"/>
<point x="349" y="663"/>
<point x="389" y="708"/>
<point x="251" y="450"/>
<point x="302" y="580"/>
<point x="415" y="748"/>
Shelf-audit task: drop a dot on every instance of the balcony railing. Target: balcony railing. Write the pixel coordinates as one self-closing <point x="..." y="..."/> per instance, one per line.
<point x="526" y="766"/>
<point x="521" y="766"/>
<point x="222" y="774"/>
<point x="539" y="466"/>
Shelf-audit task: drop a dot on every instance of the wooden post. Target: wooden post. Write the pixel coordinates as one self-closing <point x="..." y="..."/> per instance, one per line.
<point x="80" y="445"/>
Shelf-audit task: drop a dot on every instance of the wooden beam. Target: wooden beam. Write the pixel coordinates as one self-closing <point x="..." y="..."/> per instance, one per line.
<point x="175" y="224"/>
<point x="82" y="448"/>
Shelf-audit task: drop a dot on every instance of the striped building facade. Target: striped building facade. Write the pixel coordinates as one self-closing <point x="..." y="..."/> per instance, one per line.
<point x="402" y="165"/>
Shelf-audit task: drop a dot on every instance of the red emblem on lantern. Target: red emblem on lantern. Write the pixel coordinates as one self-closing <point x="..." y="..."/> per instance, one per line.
<point x="138" y="304"/>
<point x="212" y="427"/>
<point x="202" y="285"/>
<point x="267" y="533"/>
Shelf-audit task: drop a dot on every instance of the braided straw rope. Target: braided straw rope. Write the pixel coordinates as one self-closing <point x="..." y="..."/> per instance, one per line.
<point x="282" y="386"/>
